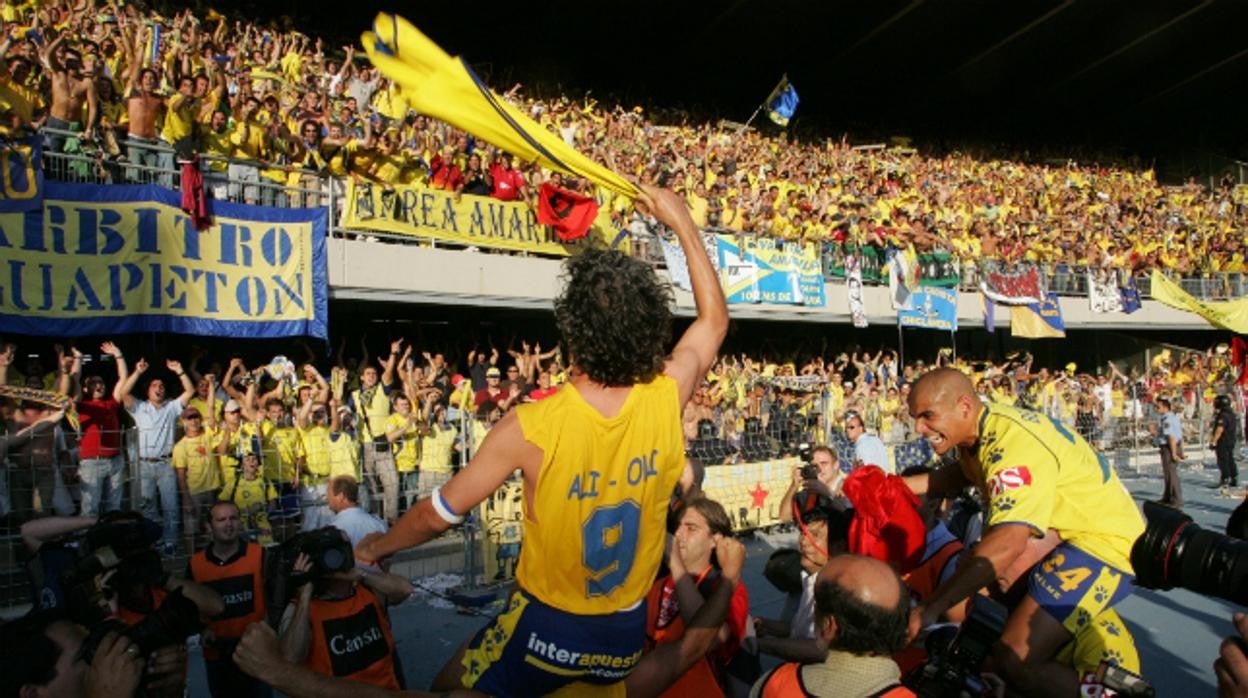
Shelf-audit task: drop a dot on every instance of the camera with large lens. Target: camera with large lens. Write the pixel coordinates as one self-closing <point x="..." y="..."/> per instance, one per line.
<point x="328" y="548"/>
<point x="176" y="619"/>
<point x="120" y="543"/>
<point x="1175" y="552"/>
<point x="810" y="471"/>
<point x="957" y="654"/>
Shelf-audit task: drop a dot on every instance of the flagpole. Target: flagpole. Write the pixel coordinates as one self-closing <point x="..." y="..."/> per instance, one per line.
<point x="953" y="337"/>
<point x="783" y="79"/>
<point x="901" y="346"/>
<point x="750" y="120"/>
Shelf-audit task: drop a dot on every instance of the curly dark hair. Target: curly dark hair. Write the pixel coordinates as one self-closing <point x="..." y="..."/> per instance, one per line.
<point x="864" y="628"/>
<point x="615" y="316"/>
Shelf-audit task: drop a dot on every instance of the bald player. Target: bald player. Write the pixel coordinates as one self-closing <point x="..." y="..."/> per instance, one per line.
<point x="1040" y="480"/>
<point x="861" y="614"/>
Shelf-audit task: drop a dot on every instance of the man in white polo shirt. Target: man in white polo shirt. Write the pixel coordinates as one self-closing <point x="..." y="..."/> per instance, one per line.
<point x="157" y="422"/>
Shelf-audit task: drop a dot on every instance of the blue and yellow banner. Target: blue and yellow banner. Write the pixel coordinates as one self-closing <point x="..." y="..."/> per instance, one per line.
<point x="125" y="258"/>
<point x="931" y="308"/>
<point x="762" y="270"/>
<point x="21" y="174"/>
<point x="482" y="221"/>
<point x="1038" y="320"/>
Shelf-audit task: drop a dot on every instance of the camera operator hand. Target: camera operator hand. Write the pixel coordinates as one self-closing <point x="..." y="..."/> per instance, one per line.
<point x="259" y="654"/>
<point x="166" y="671"/>
<point x="1231" y="666"/>
<point x="116" y="669"/>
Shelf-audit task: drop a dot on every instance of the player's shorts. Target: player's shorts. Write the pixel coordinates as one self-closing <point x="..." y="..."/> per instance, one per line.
<point x="1074" y="587"/>
<point x="534" y="649"/>
<point x="1105" y="639"/>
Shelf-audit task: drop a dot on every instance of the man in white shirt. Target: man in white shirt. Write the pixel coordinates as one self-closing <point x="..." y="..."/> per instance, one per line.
<point x="868" y="449"/>
<point x="157" y="422"/>
<point x="344" y="500"/>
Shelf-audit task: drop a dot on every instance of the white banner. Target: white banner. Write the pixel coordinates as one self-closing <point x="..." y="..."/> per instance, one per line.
<point x="853" y="287"/>
<point x="1103" y="293"/>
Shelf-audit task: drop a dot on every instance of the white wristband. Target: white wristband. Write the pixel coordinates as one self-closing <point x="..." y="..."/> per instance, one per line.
<point x="443" y="509"/>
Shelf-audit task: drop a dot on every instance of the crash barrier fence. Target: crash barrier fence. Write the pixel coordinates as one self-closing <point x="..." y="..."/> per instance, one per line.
<point x="48" y="477"/>
<point x="289" y="186"/>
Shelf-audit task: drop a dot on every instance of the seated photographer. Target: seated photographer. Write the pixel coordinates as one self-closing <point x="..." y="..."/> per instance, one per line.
<point x="676" y="597"/>
<point x="141" y="585"/>
<point x="824" y="533"/>
<point x="862" y="610"/>
<point x="234" y="568"/>
<point x="820" y="477"/>
<point x="44" y="654"/>
<point x="260" y="653"/>
<point x="338" y="624"/>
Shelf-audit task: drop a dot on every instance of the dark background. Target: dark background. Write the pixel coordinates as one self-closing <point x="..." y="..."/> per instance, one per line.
<point x="1158" y="80"/>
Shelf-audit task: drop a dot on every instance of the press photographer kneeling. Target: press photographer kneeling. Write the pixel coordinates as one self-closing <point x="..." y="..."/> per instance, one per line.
<point x="337" y="624"/>
<point x="123" y="629"/>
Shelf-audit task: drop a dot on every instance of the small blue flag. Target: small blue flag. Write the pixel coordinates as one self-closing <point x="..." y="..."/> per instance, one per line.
<point x="783" y="102"/>
<point x="1130" y="297"/>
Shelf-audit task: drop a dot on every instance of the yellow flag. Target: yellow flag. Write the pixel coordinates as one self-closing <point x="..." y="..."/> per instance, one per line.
<point x="1026" y="322"/>
<point x="1229" y="315"/>
<point x="445" y="88"/>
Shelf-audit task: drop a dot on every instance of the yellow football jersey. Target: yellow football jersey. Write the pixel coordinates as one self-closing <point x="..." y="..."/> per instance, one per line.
<point x="595" y="538"/>
<point x="1035" y="471"/>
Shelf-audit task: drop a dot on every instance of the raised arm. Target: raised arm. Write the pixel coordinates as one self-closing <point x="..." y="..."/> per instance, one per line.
<point x="125" y="388"/>
<point x="695" y="352"/>
<point x="188" y="388"/>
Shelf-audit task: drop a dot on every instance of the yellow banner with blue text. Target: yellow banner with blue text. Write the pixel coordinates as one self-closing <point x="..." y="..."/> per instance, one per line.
<point x="126" y="258"/>
<point x="466" y="219"/>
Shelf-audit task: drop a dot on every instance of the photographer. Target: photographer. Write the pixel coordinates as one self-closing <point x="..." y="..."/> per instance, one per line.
<point x="861" y="612"/>
<point x="824" y="535"/>
<point x="51" y="557"/>
<point x="338" y="626"/>
<point x="234" y="568"/>
<point x="820" y="477"/>
<point x="40" y="654"/>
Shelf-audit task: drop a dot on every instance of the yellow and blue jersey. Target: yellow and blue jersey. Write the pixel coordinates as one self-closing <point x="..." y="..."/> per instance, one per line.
<point x="594" y="537"/>
<point x="1036" y="472"/>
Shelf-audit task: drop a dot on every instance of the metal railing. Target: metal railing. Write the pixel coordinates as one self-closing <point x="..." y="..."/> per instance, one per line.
<point x="246" y="182"/>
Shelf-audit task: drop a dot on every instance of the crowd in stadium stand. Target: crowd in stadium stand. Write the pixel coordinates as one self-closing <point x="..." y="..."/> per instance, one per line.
<point x="271" y="437"/>
<point x="276" y="107"/>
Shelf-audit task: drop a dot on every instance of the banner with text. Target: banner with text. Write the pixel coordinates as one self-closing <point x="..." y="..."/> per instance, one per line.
<point x="21" y="174"/>
<point x="931" y="309"/>
<point x="465" y="219"/>
<point x="762" y="270"/>
<point x="125" y="258"/>
<point x="1017" y="284"/>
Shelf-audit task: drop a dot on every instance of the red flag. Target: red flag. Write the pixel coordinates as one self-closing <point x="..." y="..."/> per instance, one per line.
<point x="1239" y="359"/>
<point x="569" y="213"/>
<point x="886" y="524"/>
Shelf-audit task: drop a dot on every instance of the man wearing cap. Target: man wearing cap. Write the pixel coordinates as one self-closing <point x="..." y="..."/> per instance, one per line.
<point x="157" y="421"/>
<point x="493" y="390"/>
<point x="195" y="463"/>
